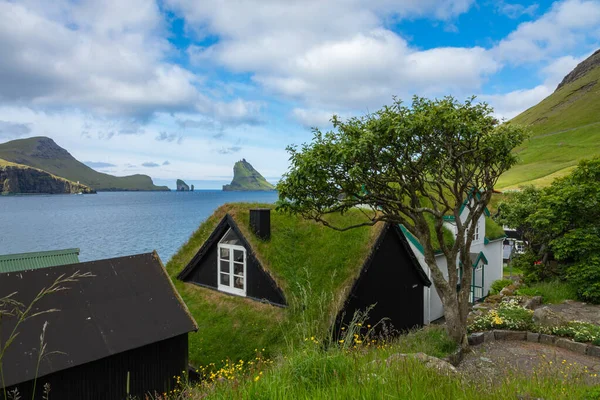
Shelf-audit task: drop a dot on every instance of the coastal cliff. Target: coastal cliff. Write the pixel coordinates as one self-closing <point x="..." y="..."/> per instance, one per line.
<point x="246" y="178"/>
<point x="20" y="179"/>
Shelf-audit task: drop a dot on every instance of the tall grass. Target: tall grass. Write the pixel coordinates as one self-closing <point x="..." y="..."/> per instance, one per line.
<point x="553" y="292"/>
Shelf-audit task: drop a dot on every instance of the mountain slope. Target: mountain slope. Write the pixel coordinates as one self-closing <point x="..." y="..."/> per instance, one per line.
<point x="43" y="153"/>
<point x="246" y="178"/>
<point x="21" y="179"/>
<point x="565" y="128"/>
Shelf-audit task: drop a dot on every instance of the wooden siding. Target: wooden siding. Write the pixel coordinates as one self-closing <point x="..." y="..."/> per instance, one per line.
<point x="151" y="368"/>
<point x="391" y="282"/>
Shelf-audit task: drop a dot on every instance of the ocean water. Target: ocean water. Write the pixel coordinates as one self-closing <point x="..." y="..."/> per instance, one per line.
<point x="110" y="224"/>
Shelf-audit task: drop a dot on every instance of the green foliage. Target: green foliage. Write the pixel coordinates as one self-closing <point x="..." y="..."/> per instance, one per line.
<point x="498" y="285"/>
<point x="42" y="153"/>
<point x="565" y="129"/>
<point x="562" y="221"/>
<point x="579" y="331"/>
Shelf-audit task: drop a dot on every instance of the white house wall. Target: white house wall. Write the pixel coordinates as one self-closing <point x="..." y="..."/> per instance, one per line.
<point x="432" y="304"/>
<point x="493" y="271"/>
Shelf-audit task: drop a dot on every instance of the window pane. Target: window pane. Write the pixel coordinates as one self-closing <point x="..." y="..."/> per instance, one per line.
<point x="224" y="252"/>
<point x="238" y="269"/>
<point x="238" y="283"/>
<point x="224" y="266"/>
<point x="238" y="255"/>
<point x="231" y="238"/>
<point x="225" y="279"/>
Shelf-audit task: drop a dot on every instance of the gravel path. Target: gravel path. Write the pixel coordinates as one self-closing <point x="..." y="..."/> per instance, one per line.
<point x="490" y="362"/>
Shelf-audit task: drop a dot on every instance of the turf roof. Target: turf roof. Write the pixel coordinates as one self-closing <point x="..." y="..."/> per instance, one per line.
<point x="314" y="265"/>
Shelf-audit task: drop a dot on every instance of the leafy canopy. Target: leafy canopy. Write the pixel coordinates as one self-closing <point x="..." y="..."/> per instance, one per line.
<point x="401" y="161"/>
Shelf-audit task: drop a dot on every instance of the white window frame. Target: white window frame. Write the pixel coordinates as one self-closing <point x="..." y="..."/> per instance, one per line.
<point x="230" y="288"/>
<point x="476" y="235"/>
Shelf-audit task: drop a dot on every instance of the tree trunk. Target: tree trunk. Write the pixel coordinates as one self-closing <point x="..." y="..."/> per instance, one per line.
<point x="456" y="324"/>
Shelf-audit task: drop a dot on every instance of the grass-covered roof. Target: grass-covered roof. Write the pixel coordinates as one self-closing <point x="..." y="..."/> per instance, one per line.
<point x="314" y="265"/>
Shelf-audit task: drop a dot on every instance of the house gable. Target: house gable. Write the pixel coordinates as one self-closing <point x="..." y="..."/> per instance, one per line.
<point x="203" y="270"/>
<point x="127" y="303"/>
<point x="392" y="281"/>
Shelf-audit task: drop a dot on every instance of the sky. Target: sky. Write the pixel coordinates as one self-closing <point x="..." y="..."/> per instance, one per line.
<point x="185" y="88"/>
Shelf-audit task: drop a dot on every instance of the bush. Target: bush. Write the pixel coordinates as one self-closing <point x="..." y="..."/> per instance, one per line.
<point x="498" y="285"/>
<point x="579" y="331"/>
<point x="585" y="276"/>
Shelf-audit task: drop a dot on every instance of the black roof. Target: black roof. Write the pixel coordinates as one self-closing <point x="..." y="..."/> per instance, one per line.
<point x="129" y="303"/>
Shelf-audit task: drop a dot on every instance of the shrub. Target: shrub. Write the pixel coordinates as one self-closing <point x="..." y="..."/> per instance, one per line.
<point x="585" y="276"/>
<point x="498" y="285"/>
<point x="579" y="331"/>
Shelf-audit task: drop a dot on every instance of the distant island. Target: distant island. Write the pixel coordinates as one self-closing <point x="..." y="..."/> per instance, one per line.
<point x="246" y="178"/>
<point x="42" y="153"/>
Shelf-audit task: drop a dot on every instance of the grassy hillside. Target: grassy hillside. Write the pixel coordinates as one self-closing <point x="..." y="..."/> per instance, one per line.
<point x="19" y="179"/>
<point x="42" y="153"/>
<point x="246" y="178"/>
<point x="565" y="128"/>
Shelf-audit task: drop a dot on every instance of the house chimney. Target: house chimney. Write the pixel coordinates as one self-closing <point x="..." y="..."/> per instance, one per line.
<point x="260" y="222"/>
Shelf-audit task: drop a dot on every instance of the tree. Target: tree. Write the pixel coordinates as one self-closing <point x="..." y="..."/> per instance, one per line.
<point x="515" y="211"/>
<point x="563" y="223"/>
<point x="409" y="166"/>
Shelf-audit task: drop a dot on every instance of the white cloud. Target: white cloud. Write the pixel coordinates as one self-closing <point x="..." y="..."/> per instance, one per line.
<point x="509" y="105"/>
<point x="106" y="57"/>
<point x="332" y="54"/>
<point x="514" y="10"/>
<point x="568" y="26"/>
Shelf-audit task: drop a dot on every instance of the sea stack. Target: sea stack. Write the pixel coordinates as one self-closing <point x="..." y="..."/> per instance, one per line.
<point x="246" y="178"/>
<point x="182" y="186"/>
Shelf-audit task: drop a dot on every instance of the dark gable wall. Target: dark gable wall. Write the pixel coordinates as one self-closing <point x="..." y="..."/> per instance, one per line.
<point x="389" y="282"/>
<point x="151" y="368"/>
<point x="259" y="284"/>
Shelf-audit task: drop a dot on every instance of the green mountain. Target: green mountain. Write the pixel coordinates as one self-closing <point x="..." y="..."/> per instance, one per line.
<point x="21" y="179"/>
<point x="246" y="178"/>
<point x="565" y="128"/>
<point x="43" y="153"/>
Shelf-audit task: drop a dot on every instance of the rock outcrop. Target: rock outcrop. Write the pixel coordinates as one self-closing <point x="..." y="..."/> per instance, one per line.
<point x="17" y="179"/>
<point x="246" y="178"/>
<point x="192" y="188"/>
<point x="581" y="69"/>
<point x="182" y="186"/>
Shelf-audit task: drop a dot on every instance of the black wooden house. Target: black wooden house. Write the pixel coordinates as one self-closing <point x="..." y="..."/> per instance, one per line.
<point x="388" y="276"/>
<point x="122" y="331"/>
